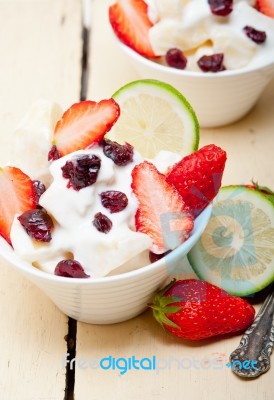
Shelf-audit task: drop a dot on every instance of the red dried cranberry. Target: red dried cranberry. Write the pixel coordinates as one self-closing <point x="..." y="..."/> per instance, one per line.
<point x="53" y="154"/>
<point x="70" y="269"/>
<point x="82" y="171"/>
<point x="254" y="34"/>
<point x="221" y="7"/>
<point x="114" y="200"/>
<point x="155" y="257"/>
<point x="120" y="154"/>
<point x="38" y="224"/>
<point x="212" y="63"/>
<point x="102" y="223"/>
<point x="176" y="59"/>
<point x="39" y="189"/>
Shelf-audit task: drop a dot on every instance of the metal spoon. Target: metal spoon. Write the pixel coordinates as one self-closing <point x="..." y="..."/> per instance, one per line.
<point x="252" y="356"/>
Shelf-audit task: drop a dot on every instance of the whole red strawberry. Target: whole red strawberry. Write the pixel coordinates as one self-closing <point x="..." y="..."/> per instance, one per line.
<point x="198" y="176"/>
<point x="195" y="310"/>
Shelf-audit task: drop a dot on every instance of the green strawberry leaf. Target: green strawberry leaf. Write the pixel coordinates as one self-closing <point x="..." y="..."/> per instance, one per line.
<point x="171" y="309"/>
<point x="163" y="319"/>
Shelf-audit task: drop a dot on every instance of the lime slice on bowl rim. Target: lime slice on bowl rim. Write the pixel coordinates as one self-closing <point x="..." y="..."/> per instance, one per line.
<point x="155" y="116"/>
<point x="236" y="250"/>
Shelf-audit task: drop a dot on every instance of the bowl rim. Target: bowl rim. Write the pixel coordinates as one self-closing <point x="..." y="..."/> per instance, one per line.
<point x="179" y="72"/>
<point x="199" y="226"/>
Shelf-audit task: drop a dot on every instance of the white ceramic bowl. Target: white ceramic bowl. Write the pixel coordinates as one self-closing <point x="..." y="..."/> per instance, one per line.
<point x="217" y="98"/>
<point x="111" y="299"/>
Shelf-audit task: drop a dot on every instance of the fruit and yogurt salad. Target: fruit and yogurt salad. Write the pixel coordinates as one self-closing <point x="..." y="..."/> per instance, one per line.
<point x="80" y="201"/>
<point x="197" y="35"/>
<point x="102" y="204"/>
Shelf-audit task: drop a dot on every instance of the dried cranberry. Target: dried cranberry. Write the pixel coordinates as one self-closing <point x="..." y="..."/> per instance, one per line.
<point x="221" y="7"/>
<point x="155" y="257"/>
<point x="120" y="154"/>
<point x="39" y="189"/>
<point x="114" y="200"/>
<point x="70" y="269"/>
<point x="254" y="34"/>
<point x="53" y="154"/>
<point x="102" y="223"/>
<point x="82" y="171"/>
<point x="37" y="223"/>
<point x="176" y="59"/>
<point x="212" y="63"/>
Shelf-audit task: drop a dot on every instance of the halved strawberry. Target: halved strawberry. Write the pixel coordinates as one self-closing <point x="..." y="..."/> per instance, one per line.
<point x="130" y="22"/>
<point x="83" y="124"/>
<point x="17" y="195"/>
<point x="198" y="176"/>
<point x="266" y="7"/>
<point x="162" y="213"/>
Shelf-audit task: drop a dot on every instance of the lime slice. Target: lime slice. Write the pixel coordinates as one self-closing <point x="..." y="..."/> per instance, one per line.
<point x="155" y="116"/>
<point x="236" y="250"/>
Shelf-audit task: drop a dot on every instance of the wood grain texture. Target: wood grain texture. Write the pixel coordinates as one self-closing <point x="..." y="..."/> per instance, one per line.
<point x="40" y="47"/>
<point x="190" y="370"/>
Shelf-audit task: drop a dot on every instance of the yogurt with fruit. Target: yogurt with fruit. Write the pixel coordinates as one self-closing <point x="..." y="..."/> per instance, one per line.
<point x="92" y="208"/>
<point x="199" y="35"/>
<point x="105" y="208"/>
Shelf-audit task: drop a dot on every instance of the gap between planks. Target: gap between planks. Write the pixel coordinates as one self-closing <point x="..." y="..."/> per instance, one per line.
<point x="71" y="337"/>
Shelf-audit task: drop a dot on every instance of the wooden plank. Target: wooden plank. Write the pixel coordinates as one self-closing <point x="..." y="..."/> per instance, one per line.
<point x="40" y="47"/>
<point x="109" y="68"/>
<point x="189" y="369"/>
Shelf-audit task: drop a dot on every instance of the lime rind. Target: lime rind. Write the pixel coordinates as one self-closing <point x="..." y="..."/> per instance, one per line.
<point x="236" y="250"/>
<point x="187" y="139"/>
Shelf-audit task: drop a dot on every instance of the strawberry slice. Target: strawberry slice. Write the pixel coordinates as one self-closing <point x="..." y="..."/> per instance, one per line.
<point x="161" y="214"/>
<point x="17" y="195"/>
<point x="198" y="176"/>
<point x="84" y="124"/>
<point x="266" y="7"/>
<point x="130" y="22"/>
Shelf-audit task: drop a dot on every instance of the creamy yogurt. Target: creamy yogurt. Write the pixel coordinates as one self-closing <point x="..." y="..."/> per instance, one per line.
<point x="72" y="211"/>
<point x="190" y="26"/>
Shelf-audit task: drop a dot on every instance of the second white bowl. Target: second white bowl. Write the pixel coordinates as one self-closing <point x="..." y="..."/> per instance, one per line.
<point x="217" y="98"/>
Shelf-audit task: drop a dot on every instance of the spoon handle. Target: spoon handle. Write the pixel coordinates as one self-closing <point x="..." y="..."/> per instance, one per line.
<point x="252" y="356"/>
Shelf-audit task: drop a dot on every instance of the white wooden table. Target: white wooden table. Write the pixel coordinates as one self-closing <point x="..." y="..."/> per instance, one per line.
<point x="41" y="57"/>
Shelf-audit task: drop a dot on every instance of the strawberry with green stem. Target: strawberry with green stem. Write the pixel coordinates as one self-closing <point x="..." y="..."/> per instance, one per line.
<point x="193" y="309"/>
